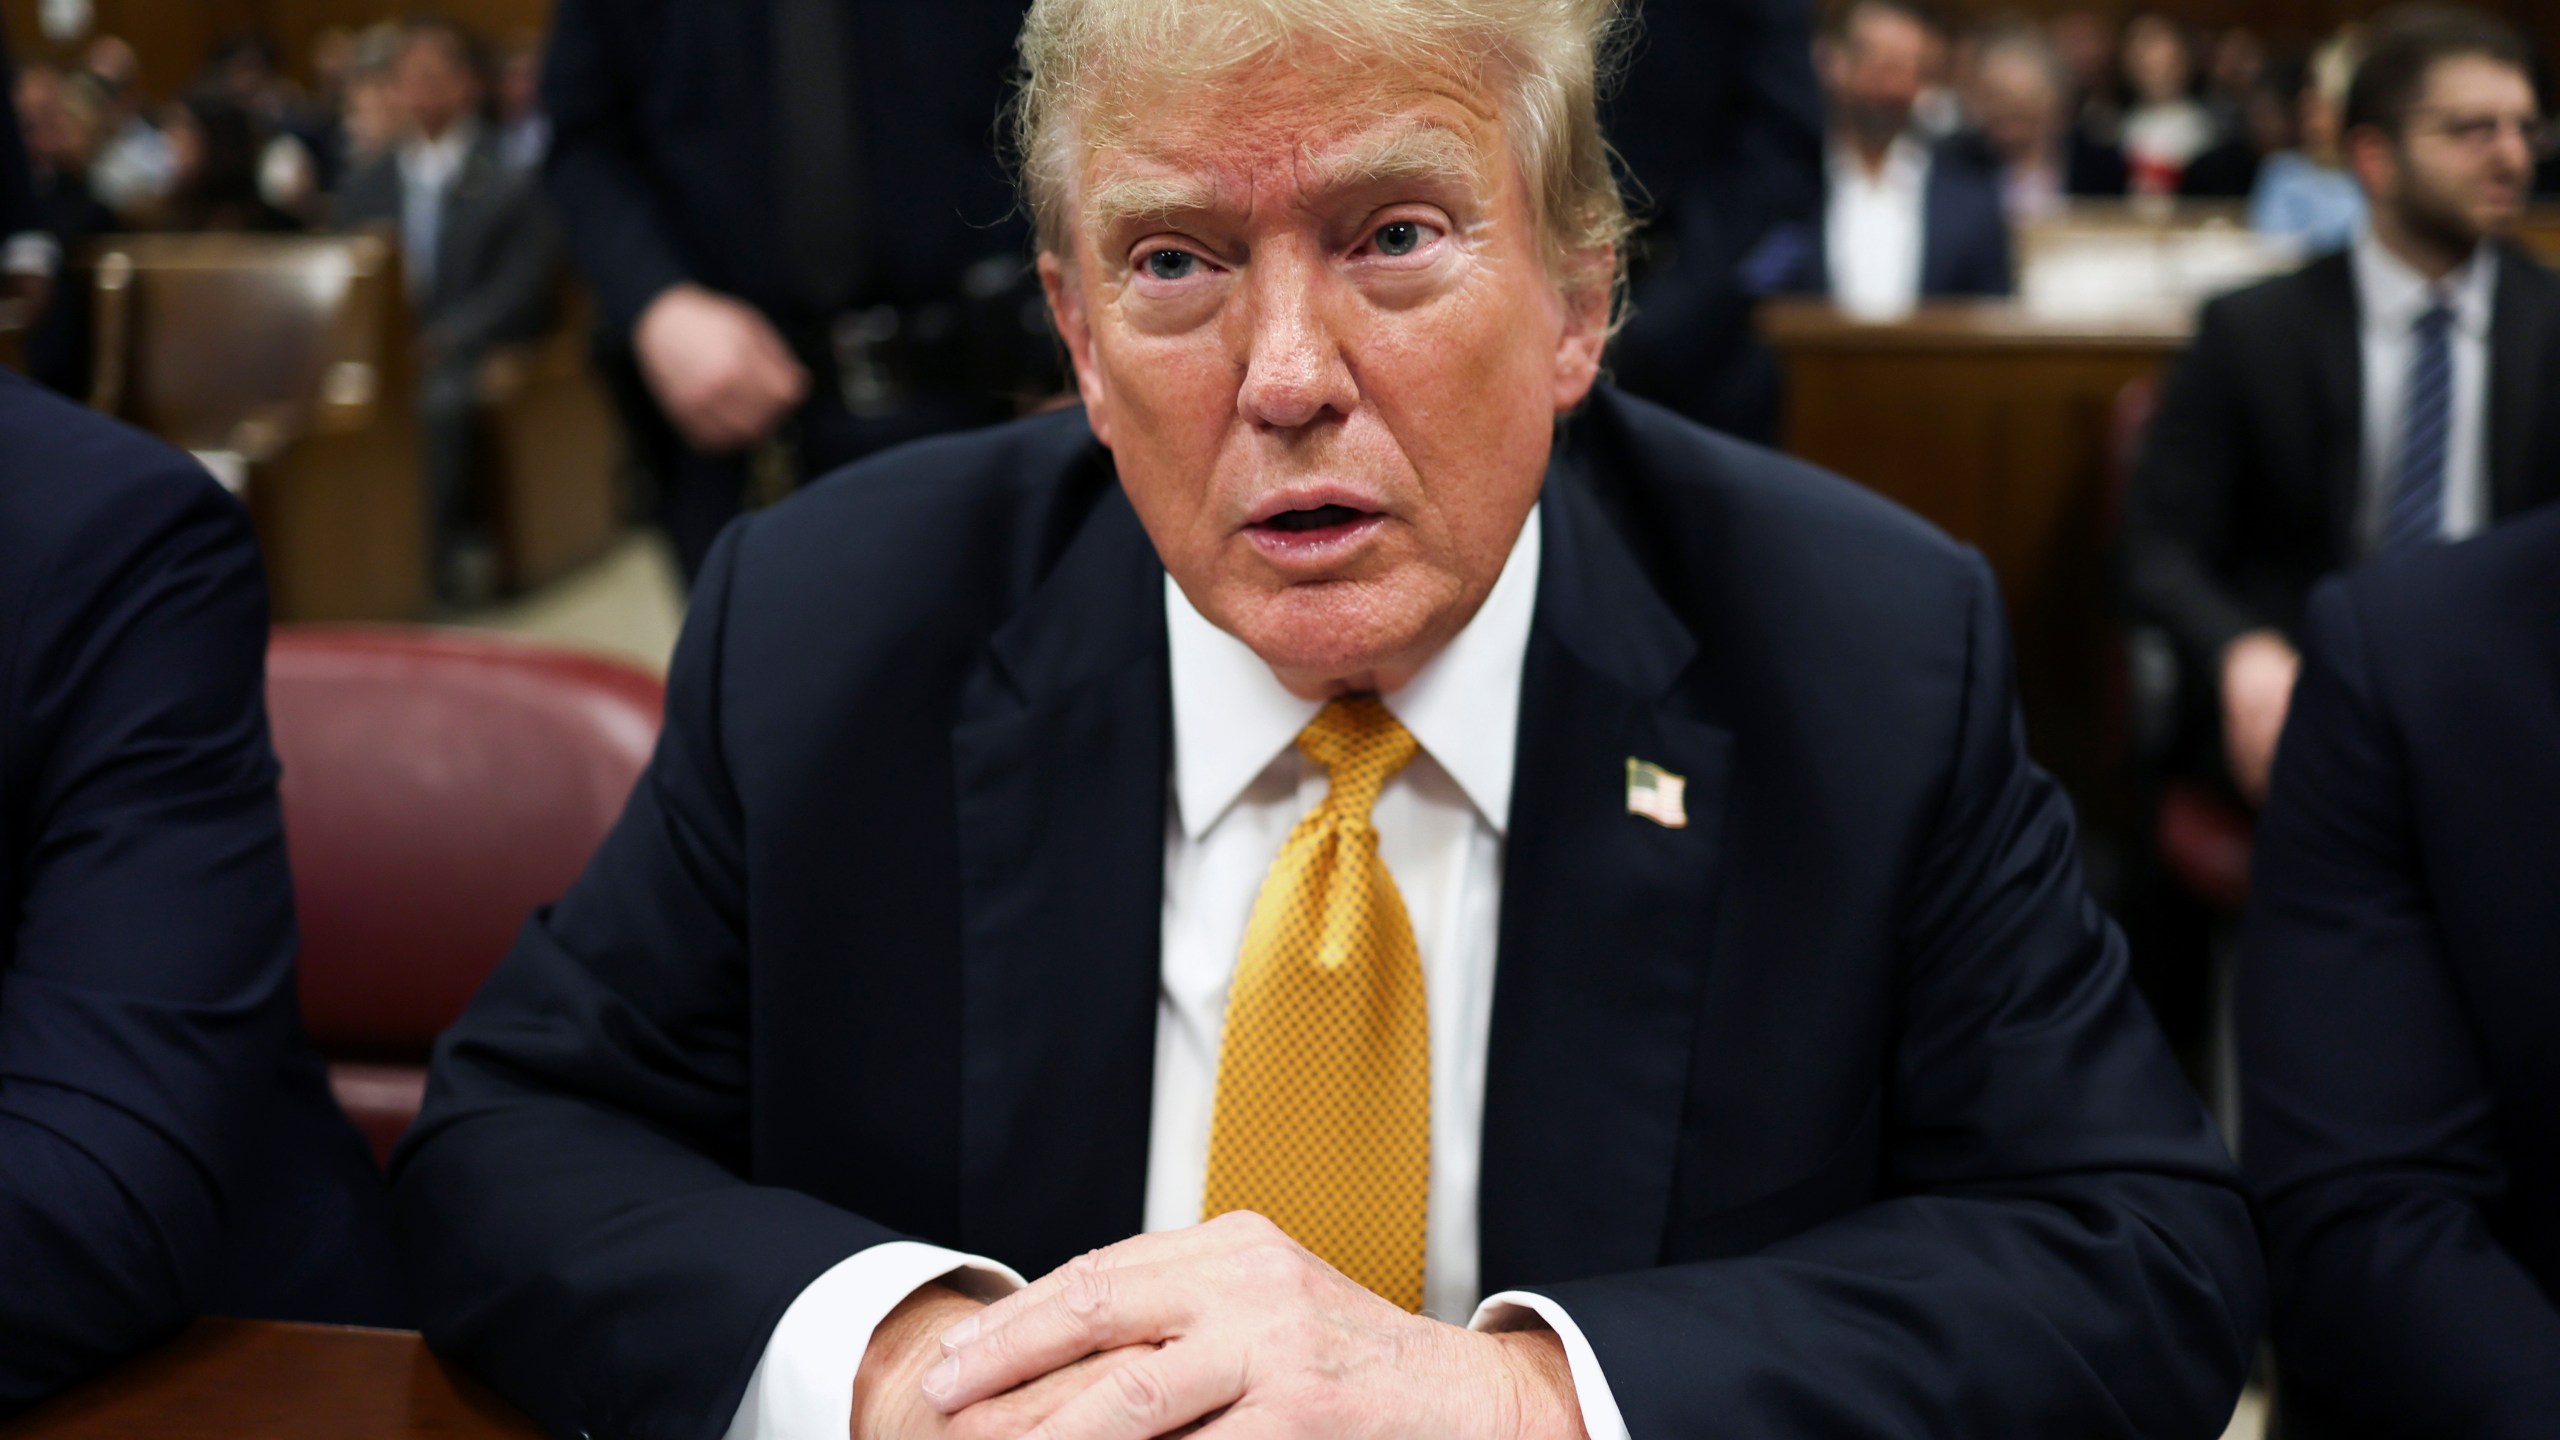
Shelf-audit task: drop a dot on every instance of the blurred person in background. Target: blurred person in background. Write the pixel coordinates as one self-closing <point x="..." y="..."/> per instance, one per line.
<point x="2023" y="129"/>
<point x="482" y="264"/>
<point x="291" y="129"/>
<point x="137" y="166"/>
<point x="2233" y="74"/>
<point x="2305" y="194"/>
<point x="2386" y="398"/>
<point x="1904" y="219"/>
<point x="794" y="214"/>
<point x="1719" y="120"/>
<point x="2086" y="43"/>
<point x="370" y="116"/>
<point x="215" y="150"/>
<point x="28" y="256"/>
<point x="524" y="132"/>
<point x="2164" y="125"/>
<point x="2268" y="125"/>
<point x="63" y="118"/>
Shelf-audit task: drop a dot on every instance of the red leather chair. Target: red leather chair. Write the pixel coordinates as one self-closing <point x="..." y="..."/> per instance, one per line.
<point x="2204" y="838"/>
<point x="438" y="787"/>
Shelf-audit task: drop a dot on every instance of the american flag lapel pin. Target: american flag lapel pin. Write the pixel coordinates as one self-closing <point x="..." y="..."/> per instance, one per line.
<point x="1657" y="794"/>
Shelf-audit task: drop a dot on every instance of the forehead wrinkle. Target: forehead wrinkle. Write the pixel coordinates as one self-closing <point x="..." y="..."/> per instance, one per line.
<point x="1416" y="152"/>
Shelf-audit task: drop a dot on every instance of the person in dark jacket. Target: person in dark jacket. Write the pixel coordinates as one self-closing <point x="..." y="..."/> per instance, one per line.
<point x="2398" y="999"/>
<point x="168" y="1145"/>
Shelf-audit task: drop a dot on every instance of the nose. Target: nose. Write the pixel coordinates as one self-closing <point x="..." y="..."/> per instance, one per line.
<point x="1294" y="367"/>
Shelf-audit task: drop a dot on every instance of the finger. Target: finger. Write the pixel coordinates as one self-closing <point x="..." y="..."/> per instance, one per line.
<point x="1164" y="1247"/>
<point x="1150" y="1397"/>
<point x="1100" y="1308"/>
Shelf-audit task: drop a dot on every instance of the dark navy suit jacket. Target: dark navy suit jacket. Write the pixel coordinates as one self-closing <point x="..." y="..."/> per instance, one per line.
<point x="1831" y="1113"/>
<point x="167" y="1145"/>
<point x="2399" y="994"/>
<point x="1964" y="238"/>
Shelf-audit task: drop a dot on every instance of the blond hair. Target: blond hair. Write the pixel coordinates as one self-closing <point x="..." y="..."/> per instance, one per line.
<point x="1083" y="62"/>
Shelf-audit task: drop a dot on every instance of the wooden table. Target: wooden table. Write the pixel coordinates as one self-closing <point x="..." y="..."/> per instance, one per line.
<point x="259" y="1380"/>
<point x="1996" y="424"/>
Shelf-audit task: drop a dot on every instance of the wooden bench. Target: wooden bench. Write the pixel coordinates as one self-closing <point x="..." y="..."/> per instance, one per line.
<point x="285" y="362"/>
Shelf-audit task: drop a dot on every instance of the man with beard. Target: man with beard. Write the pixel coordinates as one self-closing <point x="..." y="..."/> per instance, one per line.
<point x="2389" y="396"/>
<point x="1904" y="218"/>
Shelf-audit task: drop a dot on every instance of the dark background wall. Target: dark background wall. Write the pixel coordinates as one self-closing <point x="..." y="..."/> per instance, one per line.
<point x="173" y="35"/>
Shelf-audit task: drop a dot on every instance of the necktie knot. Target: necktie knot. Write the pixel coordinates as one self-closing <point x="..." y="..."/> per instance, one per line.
<point x="1361" y="745"/>
<point x="2436" y="321"/>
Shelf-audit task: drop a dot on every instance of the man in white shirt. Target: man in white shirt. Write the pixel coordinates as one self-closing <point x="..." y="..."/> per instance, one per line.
<point x="1906" y="218"/>
<point x="481" y="259"/>
<point x="2390" y="396"/>
<point x="1393" y="924"/>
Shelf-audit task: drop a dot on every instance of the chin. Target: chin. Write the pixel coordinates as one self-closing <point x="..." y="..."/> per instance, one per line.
<point x="1334" y="630"/>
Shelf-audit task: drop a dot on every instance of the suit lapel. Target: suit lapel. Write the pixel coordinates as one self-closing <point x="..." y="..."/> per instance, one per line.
<point x="2518" y="326"/>
<point x="2333" y="326"/>
<point x="1060" y="756"/>
<point x="1605" y="921"/>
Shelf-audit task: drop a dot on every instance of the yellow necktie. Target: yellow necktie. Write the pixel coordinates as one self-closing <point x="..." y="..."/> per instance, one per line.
<point x="1323" y="1116"/>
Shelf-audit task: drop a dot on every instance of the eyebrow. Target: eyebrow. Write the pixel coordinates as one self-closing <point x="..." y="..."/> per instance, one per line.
<point x="1423" y="153"/>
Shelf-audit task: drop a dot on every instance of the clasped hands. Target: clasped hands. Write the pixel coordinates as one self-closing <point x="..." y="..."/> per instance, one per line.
<point x="1227" y="1329"/>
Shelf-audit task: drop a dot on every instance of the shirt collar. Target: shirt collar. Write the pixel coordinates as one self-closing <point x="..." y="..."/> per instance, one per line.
<point x="436" y="160"/>
<point x="1906" y="164"/>
<point x="2393" y="295"/>
<point x="1232" y="716"/>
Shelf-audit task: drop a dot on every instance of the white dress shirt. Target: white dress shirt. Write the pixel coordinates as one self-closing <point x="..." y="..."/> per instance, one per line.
<point x="427" y="169"/>
<point x="1874" y="228"/>
<point x="1239" y="786"/>
<point x="2390" y="297"/>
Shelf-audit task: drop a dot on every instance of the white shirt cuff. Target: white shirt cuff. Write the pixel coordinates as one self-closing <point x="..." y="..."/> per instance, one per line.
<point x="803" y="1387"/>
<point x="31" y="253"/>
<point x="1590" y="1387"/>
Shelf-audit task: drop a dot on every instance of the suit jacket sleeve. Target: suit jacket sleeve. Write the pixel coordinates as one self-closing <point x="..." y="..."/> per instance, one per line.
<point x="620" y="240"/>
<point x="2371" y="1116"/>
<point x="571" y="1201"/>
<point x="2178" y="520"/>
<point x="151" y="994"/>
<point x="2064" y="1250"/>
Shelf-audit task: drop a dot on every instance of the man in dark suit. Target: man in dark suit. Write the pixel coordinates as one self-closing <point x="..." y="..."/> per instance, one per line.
<point x="482" y="262"/>
<point x="1905" y="219"/>
<point x="2397" y="1000"/>
<point x="2021" y="103"/>
<point x="167" y="1145"/>
<point x="1719" y="119"/>
<point x="978" y="910"/>
<point x="2393" y="394"/>
<point x="792" y="214"/>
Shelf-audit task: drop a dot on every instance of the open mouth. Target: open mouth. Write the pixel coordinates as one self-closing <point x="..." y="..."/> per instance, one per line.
<point x="1314" y="518"/>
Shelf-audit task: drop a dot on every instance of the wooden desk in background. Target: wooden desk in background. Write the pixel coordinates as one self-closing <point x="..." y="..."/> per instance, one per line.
<point x="1995" y="425"/>
<point x="257" y="1380"/>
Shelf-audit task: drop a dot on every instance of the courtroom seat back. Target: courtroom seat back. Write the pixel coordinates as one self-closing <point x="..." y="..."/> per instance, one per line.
<point x="201" y="333"/>
<point x="438" y="787"/>
<point x="285" y="359"/>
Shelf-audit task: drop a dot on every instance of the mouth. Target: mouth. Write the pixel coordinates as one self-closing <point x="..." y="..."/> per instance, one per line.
<point x="1314" y="536"/>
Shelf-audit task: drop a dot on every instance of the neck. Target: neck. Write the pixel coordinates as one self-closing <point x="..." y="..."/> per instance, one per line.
<point x="2432" y="256"/>
<point x="1871" y="150"/>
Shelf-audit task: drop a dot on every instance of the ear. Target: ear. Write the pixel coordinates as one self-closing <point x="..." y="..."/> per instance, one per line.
<point x="2374" y="159"/>
<point x="1063" y="284"/>
<point x="1588" y="286"/>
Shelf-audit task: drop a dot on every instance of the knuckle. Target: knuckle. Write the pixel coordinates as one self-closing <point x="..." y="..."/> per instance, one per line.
<point x="1086" y="1299"/>
<point x="1142" y="1392"/>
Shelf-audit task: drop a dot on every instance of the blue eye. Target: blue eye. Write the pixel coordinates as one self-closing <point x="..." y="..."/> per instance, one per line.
<point x="1399" y="237"/>
<point x="1169" y="264"/>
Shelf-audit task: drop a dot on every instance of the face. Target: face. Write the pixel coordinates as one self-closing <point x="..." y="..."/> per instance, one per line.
<point x="436" y="85"/>
<point x="2015" y="103"/>
<point x="1882" y="63"/>
<point x="2463" y="163"/>
<point x="1313" y="320"/>
<point x="2155" y="59"/>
